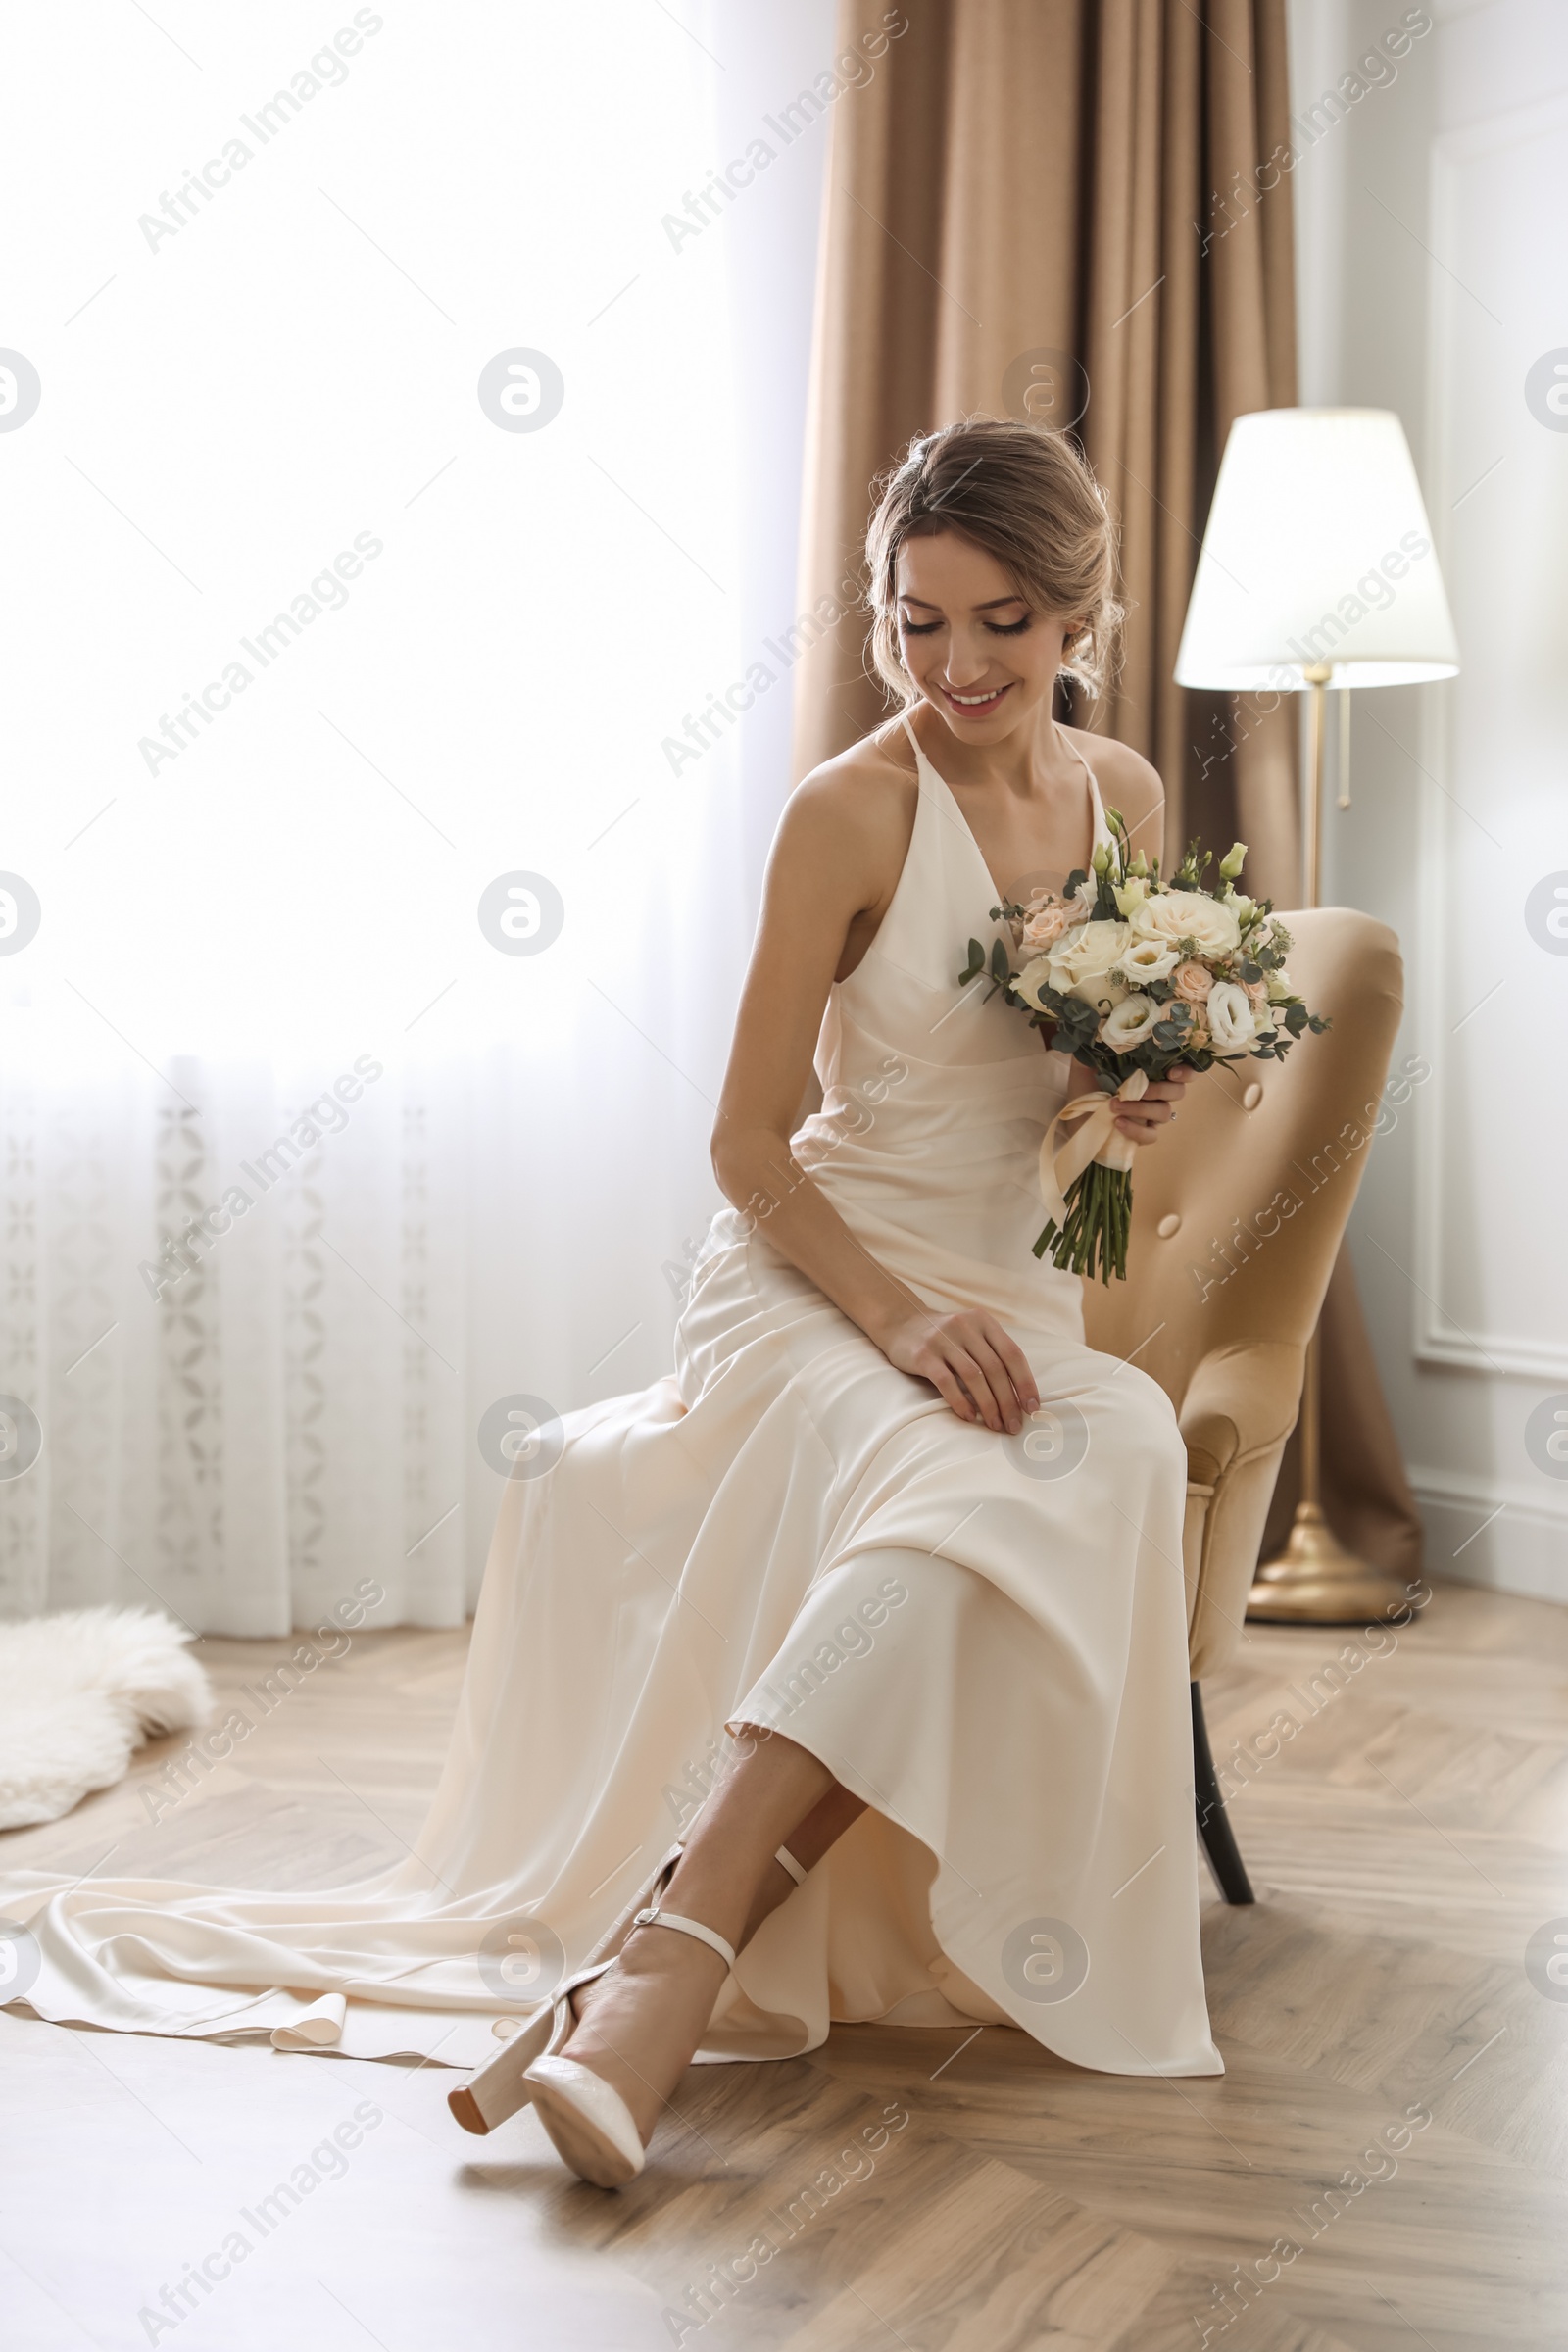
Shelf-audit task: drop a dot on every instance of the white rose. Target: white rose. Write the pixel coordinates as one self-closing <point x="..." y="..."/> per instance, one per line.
<point x="1128" y="1023"/>
<point x="1081" y="965"/>
<point x="1230" y="1016"/>
<point x="1144" y="960"/>
<point x="1032" y="980"/>
<point x="1176" y="914"/>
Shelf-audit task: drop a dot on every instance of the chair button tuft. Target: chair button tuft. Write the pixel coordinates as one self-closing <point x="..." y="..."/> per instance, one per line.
<point x="1168" y="1225"/>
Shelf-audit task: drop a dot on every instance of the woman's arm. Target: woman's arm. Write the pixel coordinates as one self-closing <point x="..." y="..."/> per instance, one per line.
<point x="837" y="859"/>
<point x="1129" y="783"/>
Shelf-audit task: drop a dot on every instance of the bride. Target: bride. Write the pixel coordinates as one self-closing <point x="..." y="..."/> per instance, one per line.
<point x="877" y="1600"/>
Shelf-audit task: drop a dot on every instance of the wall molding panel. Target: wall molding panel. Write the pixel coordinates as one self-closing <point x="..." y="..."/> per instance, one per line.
<point x="1483" y="177"/>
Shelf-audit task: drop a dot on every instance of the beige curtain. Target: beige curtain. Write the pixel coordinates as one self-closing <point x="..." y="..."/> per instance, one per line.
<point x="1054" y="208"/>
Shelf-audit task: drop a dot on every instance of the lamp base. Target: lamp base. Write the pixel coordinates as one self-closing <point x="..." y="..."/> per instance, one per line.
<point x="1316" y="1581"/>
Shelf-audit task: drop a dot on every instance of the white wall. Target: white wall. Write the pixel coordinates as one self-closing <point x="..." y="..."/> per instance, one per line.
<point x="1432" y="279"/>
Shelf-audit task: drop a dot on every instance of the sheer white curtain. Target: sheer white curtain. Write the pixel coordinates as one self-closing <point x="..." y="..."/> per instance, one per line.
<point x="324" y="658"/>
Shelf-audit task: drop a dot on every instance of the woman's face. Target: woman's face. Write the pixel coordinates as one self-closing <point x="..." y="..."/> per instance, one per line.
<point x="982" y="657"/>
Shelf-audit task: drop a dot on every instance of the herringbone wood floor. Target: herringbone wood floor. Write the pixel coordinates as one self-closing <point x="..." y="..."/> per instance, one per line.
<point x="1405" y="1844"/>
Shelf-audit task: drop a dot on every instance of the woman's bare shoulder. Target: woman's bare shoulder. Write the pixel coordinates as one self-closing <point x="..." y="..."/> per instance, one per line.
<point x="860" y="802"/>
<point x="878" y="770"/>
<point x="1127" y="782"/>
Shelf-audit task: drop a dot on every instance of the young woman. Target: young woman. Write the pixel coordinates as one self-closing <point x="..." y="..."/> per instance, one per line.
<point x="927" y="1625"/>
<point x="877" y="1600"/>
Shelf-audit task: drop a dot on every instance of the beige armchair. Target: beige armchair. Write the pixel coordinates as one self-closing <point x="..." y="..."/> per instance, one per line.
<point x="1237" y="1214"/>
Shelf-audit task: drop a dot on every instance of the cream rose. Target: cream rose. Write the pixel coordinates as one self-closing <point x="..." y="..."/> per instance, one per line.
<point x="1043" y="925"/>
<point x="1172" y="915"/>
<point x="1231" y="1019"/>
<point x="1081" y="965"/>
<point x="1193" y="981"/>
<point x="1144" y="960"/>
<point x="1128" y="1023"/>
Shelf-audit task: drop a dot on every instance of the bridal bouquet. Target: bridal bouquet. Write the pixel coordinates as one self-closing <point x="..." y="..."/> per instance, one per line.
<point x="1136" y="976"/>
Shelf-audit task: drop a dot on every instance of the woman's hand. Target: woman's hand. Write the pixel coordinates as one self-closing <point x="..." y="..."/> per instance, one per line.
<point x="1143" y="1120"/>
<point x="969" y="1360"/>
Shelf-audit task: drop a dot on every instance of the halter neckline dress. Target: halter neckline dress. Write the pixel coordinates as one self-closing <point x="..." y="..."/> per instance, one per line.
<point x="983" y="1636"/>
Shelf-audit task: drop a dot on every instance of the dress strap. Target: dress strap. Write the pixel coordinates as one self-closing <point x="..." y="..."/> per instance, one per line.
<point x="907" y="723"/>
<point x="1101" y="829"/>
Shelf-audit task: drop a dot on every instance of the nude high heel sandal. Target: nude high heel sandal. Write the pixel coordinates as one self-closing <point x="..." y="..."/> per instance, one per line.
<point x="498" y="2089"/>
<point x="589" y="2123"/>
<point x="501" y="2086"/>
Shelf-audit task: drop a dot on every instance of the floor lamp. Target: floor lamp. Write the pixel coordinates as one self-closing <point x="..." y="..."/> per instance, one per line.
<point x="1317" y="570"/>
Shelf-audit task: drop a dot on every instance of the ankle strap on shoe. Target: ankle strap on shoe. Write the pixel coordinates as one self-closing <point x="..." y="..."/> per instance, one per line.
<point x="790" y="1864"/>
<point x="652" y="1917"/>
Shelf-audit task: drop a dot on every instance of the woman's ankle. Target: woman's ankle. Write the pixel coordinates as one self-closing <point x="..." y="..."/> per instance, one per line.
<point x="656" y="1950"/>
<point x="642" y="2032"/>
<point x="777" y="1887"/>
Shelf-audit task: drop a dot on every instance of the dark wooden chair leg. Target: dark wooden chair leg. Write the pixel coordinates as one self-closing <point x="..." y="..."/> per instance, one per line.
<point x="1213" y="1822"/>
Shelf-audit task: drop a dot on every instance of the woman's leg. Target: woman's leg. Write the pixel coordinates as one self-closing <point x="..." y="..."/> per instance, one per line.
<point x="807" y="1841"/>
<point x="648" y="2014"/>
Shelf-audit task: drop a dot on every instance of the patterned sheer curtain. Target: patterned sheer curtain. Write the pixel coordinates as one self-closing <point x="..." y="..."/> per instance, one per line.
<point x="260" y="1372"/>
<point x="361" y="1014"/>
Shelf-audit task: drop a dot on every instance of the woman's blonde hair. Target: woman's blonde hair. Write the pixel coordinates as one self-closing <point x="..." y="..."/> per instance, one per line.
<point x="1023" y="493"/>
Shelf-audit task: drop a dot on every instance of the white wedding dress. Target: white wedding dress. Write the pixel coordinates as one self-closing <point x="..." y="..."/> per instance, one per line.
<point x="983" y="1638"/>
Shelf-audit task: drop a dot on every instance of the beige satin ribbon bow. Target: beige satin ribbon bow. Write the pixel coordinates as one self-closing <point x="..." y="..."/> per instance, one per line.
<point x="1083" y="1129"/>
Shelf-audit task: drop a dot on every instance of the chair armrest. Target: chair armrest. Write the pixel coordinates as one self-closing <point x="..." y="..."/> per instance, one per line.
<point x="1242" y="1397"/>
<point x="1239" y="1407"/>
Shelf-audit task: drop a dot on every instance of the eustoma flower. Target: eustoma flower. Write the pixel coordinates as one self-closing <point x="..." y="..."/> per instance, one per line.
<point x="1128" y="1023"/>
<point x="1229" y="1015"/>
<point x="1146" y="959"/>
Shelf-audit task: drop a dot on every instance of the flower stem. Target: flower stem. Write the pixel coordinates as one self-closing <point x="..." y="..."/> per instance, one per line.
<point x="1093" y="1239"/>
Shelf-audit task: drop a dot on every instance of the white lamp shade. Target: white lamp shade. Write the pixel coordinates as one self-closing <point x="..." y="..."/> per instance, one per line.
<point x="1318" y="551"/>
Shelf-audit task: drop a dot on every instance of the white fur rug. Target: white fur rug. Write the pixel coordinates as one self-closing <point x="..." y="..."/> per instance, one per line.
<point x="77" y="1693"/>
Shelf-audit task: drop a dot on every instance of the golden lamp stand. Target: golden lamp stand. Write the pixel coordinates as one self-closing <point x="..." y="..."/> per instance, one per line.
<point x="1315" y="1579"/>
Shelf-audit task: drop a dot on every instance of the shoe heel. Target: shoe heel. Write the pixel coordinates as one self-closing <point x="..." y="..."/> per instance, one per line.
<point x="499" y="2088"/>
